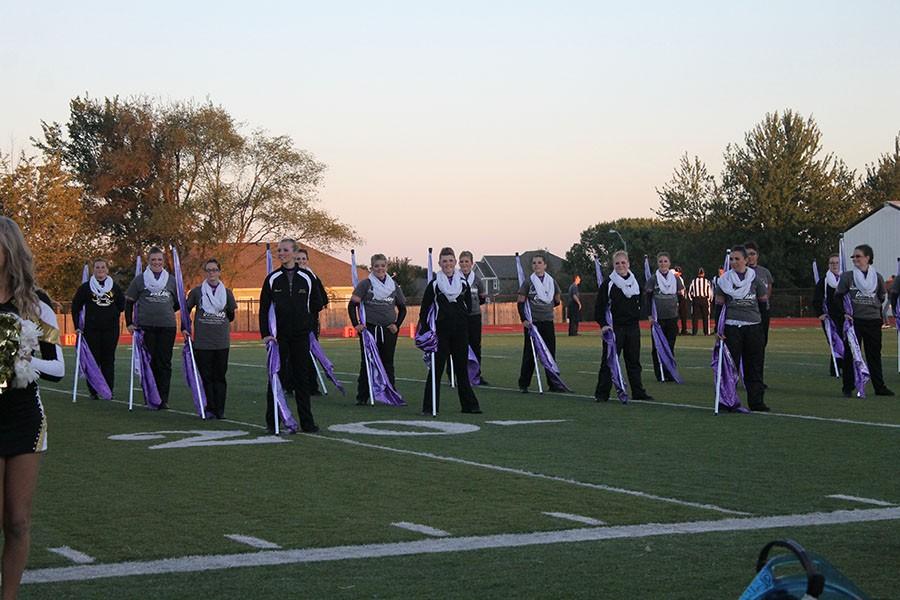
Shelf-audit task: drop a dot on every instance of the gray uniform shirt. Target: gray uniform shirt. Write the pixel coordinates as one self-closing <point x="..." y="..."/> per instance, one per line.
<point x="666" y="304"/>
<point x="153" y="310"/>
<point x="764" y="275"/>
<point x="744" y="309"/>
<point x="212" y="331"/>
<point x="540" y="311"/>
<point x="379" y="312"/>
<point x="475" y="292"/>
<point x="864" y="307"/>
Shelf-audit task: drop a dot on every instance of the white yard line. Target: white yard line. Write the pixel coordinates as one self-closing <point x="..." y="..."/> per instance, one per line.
<point x="424" y="529"/>
<point x="872" y="501"/>
<point x="254" y="542"/>
<point x="532" y="422"/>
<point x="192" y="564"/>
<point x="79" y="558"/>
<point x="575" y="518"/>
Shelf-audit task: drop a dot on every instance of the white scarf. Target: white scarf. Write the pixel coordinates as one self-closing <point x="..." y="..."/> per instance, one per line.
<point x="831" y="280"/>
<point x="153" y="284"/>
<point x="100" y="289"/>
<point x="470" y="278"/>
<point x="628" y="286"/>
<point x="544" y="290"/>
<point x="732" y="285"/>
<point x="382" y="290"/>
<point x="213" y="300"/>
<point x="450" y="290"/>
<point x="668" y="283"/>
<point x="868" y="283"/>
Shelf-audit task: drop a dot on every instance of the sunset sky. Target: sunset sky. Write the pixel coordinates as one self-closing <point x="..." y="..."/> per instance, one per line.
<point x="491" y="126"/>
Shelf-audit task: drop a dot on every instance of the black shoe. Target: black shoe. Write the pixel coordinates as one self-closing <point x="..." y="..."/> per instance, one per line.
<point x="760" y="408"/>
<point x="95" y="397"/>
<point x="472" y="411"/>
<point x="270" y="430"/>
<point x="362" y="401"/>
<point x="765" y="386"/>
<point x="884" y="392"/>
<point x="601" y="398"/>
<point x="483" y="381"/>
<point x="315" y="393"/>
<point x="642" y="397"/>
<point x="847" y="393"/>
<point x="313" y="429"/>
<point x="164" y="406"/>
<point x="523" y="390"/>
<point x="559" y="390"/>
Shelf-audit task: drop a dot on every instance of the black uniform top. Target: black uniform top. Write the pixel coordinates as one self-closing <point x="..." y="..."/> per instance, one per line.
<point x="292" y="293"/>
<point x="625" y="311"/>
<point x="319" y="289"/>
<point x="100" y="311"/>
<point x="835" y="305"/>
<point x="449" y="313"/>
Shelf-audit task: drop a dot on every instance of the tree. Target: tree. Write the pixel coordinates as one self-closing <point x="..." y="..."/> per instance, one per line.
<point x="46" y="204"/>
<point x="882" y="181"/>
<point x="692" y="195"/>
<point x="406" y="274"/>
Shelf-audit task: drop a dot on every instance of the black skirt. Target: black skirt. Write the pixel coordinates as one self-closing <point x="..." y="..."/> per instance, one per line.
<point x="23" y="425"/>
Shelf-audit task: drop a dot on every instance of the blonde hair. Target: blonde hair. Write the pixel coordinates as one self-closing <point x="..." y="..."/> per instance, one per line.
<point x="618" y="253"/>
<point x="19" y="269"/>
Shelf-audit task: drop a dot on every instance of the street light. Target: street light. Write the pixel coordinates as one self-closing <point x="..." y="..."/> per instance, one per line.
<point x="620" y="238"/>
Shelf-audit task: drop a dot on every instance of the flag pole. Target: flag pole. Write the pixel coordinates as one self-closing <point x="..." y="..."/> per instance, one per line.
<point x="137" y="271"/>
<point x="721" y="342"/>
<point x="77" y="367"/>
<point x="354" y="279"/>
<point x="452" y="374"/>
<point x="197" y="379"/>
<point x="433" y="366"/>
<point x="653" y="313"/>
<point x="273" y="382"/>
<point x="318" y="373"/>
<point x="186" y="322"/>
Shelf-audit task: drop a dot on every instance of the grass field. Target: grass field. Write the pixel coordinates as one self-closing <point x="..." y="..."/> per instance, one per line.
<point x="681" y="501"/>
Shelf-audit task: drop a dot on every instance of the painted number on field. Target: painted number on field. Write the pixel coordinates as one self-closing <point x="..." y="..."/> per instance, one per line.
<point x="197" y="437"/>
<point x="431" y="427"/>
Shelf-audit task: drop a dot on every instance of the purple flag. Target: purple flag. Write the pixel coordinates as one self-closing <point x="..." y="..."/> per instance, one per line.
<point x="727" y="373"/>
<point x="87" y="365"/>
<point x="663" y="351"/>
<point x="860" y="368"/>
<point x="142" y="358"/>
<point x="832" y="335"/>
<point x="551" y="368"/>
<point x="191" y="375"/>
<point x="612" y="352"/>
<point x="319" y="354"/>
<point x="381" y="388"/>
<point x="474" y="368"/>
<point x="273" y="364"/>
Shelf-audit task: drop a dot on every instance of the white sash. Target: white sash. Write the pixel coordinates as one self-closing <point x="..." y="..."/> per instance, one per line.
<point x="732" y="285"/>
<point x="153" y="284"/>
<point x="100" y="289"/>
<point x="544" y="290"/>
<point x="628" y="286"/>
<point x="667" y="283"/>
<point x="213" y="300"/>
<point x="382" y="290"/>
<point x="868" y="283"/>
<point x="451" y="290"/>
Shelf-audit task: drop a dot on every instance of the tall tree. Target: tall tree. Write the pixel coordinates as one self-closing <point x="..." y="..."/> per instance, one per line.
<point x="692" y="195"/>
<point x="406" y="274"/>
<point x="882" y="181"/>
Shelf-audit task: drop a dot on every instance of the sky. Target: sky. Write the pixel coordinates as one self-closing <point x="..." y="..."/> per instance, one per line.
<point x="493" y="126"/>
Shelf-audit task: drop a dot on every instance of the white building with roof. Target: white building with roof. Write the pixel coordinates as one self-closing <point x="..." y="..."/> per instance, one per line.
<point x="881" y="230"/>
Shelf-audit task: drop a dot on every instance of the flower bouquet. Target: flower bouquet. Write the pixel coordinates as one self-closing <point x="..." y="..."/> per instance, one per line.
<point x="19" y="338"/>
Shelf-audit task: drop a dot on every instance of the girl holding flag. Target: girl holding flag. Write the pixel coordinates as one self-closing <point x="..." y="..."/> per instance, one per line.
<point x="215" y="306"/>
<point x="827" y="304"/>
<point x="543" y="294"/>
<point x="622" y="295"/>
<point x="450" y="292"/>
<point x="864" y="287"/>
<point x="665" y="289"/>
<point x="385" y="309"/>
<point x="479" y="297"/>
<point x="741" y="292"/>
<point x="156" y="295"/>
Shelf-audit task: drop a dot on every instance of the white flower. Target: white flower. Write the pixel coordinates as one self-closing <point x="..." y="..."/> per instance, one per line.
<point x="25" y="373"/>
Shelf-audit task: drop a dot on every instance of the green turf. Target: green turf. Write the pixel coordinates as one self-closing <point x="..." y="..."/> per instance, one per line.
<point x="119" y="500"/>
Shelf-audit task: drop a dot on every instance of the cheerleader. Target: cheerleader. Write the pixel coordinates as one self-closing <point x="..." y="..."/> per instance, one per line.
<point x="23" y="424"/>
<point x="543" y="294"/>
<point x="622" y="294"/>
<point x="666" y="289"/>
<point x="156" y="297"/>
<point x="826" y="303"/>
<point x="450" y="292"/>
<point x="741" y="292"/>
<point x="103" y="302"/>
<point x="385" y="307"/>
<point x="865" y="288"/>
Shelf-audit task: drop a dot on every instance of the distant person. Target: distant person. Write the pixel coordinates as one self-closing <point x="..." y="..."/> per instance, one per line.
<point x="865" y="288"/>
<point x="543" y="294"/>
<point x="385" y="307"/>
<point x="826" y="303"/>
<point x="103" y="302"/>
<point x="479" y="297"/>
<point x="684" y="307"/>
<point x="765" y="276"/>
<point x="573" y="310"/>
<point x="700" y="294"/>
<point x="214" y="307"/>
<point x="155" y="296"/>
<point x="665" y="289"/>
<point x="302" y="257"/>
<point x="713" y="284"/>
<point x="622" y="294"/>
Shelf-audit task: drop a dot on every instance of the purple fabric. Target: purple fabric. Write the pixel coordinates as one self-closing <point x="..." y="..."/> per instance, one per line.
<point x="474" y="368"/>
<point x="860" y="368"/>
<point x="382" y="390"/>
<point x="426" y="339"/>
<point x="193" y="380"/>
<point x="319" y="354"/>
<point x="832" y="335"/>
<point x="142" y="367"/>
<point x="274" y="366"/>
<point x="728" y="397"/>
<point x="91" y="372"/>
<point x="612" y="351"/>
<point x="663" y="351"/>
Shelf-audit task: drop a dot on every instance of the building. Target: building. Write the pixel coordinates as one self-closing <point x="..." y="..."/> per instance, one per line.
<point x="501" y="273"/>
<point x="881" y="230"/>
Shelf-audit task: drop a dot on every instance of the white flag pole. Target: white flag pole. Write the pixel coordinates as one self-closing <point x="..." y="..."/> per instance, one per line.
<point x="197" y="379"/>
<point x="452" y="373"/>
<point x="77" y="367"/>
<point x="318" y="373"/>
<point x="721" y="344"/>
<point x="433" y="365"/>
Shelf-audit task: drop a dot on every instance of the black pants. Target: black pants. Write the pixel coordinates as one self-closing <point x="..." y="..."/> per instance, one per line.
<point x="684" y="311"/>
<point x="548" y="333"/>
<point x="453" y="340"/>
<point x="387" y="344"/>
<point x="670" y="330"/>
<point x="294" y="375"/>
<point x="213" y="365"/>
<point x="839" y="325"/>
<point x="159" y="342"/>
<point x="103" y="343"/>
<point x="748" y="343"/>
<point x="628" y="343"/>
<point x="701" y="312"/>
<point x="474" y="326"/>
<point x="868" y="331"/>
<point x="574" y="314"/>
<point x="765" y="313"/>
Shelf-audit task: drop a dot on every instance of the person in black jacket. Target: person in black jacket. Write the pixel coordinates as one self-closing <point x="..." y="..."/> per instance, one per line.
<point x="103" y="303"/>
<point x="622" y="293"/>
<point x="450" y="292"/>
<point x="302" y="257"/>
<point x="824" y="303"/>
<point x="291" y="291"/>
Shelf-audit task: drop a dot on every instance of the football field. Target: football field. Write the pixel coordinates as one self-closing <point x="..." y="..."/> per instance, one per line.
<point x="542" y="496"/>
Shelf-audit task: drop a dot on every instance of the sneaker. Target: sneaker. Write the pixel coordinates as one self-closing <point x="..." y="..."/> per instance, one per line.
<point x="484" y="381"/>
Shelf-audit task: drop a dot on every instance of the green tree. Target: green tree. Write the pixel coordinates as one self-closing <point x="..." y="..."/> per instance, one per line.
<point x="406" y="274"/>
<point x="882" y="181"/>
<point x="692" y="195"/>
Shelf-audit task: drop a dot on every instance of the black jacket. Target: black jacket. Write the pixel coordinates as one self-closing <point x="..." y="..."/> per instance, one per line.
<point x="100" y="312"/>
<point x="449" y="313"/>
<point x="293" y="294"/>
<point x="835" y="303"/>
<point x="625" y="311"/>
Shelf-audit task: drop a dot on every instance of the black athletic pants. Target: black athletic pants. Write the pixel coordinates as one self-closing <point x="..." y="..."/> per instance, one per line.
<point x="701" y="311"/>
<point x="213" y="366"/>
<point x="453" y="340"/>
<point x="868" y="331"/>
<point x="103" y="343"/>
<point x="748" y="343"/>
<point x="574" y="314"/>
<point x="548" y="334"/>
<point x="628" y="343"/>
<point x="294" y="374"/>
<point x="387" y="344"/>
<point x="159" y="342"/>
<point x="670" y="330"/>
